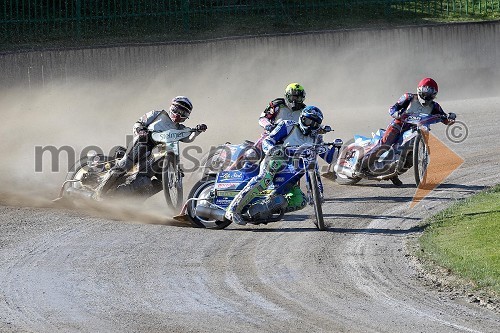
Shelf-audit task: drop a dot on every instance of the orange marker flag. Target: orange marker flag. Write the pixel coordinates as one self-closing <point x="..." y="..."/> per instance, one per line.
<point x="443" y="161"/>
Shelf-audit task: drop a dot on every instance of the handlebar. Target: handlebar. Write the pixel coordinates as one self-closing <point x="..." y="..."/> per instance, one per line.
<point x="184" y="129"/>
<point x="337" y="143"/>
<point x="424" y="119"/>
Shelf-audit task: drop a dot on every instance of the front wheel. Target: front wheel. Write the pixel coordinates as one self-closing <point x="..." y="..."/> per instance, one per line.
<point x="203" y="189"/>
<point x="172" y="181"/>
<point x="420" y="159"/>
<point x="316" y="196"/>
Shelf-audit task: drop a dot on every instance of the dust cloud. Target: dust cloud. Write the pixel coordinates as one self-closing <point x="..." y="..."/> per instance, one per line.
<point x="352" y="85"/>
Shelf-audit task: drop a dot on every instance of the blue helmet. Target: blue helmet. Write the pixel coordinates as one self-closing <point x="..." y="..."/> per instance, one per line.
<point x="310" y="119"/>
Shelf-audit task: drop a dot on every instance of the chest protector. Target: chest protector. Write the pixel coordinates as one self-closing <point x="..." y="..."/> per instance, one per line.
<point x="416" y="107"/>
<point x="296" y="138"/>
<point x="286" y="114"/>
<point x="162" y="123"/>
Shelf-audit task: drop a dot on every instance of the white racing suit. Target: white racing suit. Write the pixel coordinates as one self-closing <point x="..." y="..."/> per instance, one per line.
<point x="278" y="110"/>
<point x="139" y="150"/>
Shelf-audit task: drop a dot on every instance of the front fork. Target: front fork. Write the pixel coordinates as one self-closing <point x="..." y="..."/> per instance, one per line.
<point x="179" y="173"/>
<point x="173" y="149"/>
<point x="308" y="185"/>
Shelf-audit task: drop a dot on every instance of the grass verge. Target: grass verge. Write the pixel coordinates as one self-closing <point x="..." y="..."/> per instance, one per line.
<point x="465" y="239"/>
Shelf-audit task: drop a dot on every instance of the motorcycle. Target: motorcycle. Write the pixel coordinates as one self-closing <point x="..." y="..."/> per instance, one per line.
<point x="163" y="165"/>
<point x="236" y="165"/>
<point x="411" y="150"/>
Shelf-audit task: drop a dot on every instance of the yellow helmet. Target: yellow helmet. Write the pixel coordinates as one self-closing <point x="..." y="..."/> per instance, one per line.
<point x="295" y="96"/>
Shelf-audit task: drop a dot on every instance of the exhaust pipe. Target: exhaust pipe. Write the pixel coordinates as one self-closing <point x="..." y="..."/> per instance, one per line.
<point x="210" y="213"/>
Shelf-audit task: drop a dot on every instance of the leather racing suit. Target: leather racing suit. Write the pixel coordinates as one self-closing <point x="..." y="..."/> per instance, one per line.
<point x="286" y="134"/>
<point x="139" y="149"/>
<point x="408" y="104"/>
<point x="278" y="110"/>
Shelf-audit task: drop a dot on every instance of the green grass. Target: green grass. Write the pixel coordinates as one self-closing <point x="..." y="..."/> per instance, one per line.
<point x="465" y="238"/>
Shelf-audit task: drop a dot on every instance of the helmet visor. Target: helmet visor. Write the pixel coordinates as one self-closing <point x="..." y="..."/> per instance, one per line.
<point x="299" y="98"/>
<point x="180" y="111"/>
<point x="427" y="93"/>
<point x="311" y="123"/>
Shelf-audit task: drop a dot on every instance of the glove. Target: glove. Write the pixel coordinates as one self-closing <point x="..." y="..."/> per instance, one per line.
<point x="450" y="119"/>
<point x="325" y="129"/>
<point x="142" y="131"/>
<point x="201" y="128"/>
<point x="269" y="127"/>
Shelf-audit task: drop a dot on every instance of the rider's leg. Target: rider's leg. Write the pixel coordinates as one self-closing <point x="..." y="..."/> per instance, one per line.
<point x="134" y="152"/>
<point x="392" y="132"/>
<point x="269" y="168"/>
<point x="391" y="135"/>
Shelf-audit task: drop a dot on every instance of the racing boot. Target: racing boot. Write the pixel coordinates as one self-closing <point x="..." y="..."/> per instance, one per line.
<point x="396" y="181"/>
<point x="296" y="200"/>
<point x="243" y="198"/>
<point x="235" y="217"/>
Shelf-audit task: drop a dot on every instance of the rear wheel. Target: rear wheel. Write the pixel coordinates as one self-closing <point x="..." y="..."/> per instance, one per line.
<point x="172" y="181"/>
<point x="316" y="195"/>
<point x="421" y="159"/>
<point x="203" y="190"/>
<point x="81" y="180"/>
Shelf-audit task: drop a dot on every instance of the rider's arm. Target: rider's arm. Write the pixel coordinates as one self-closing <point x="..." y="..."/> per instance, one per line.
<point x="329" y="155"/>
<point x="401" y="105"/>
<point x="437" y="110"/>
<point x="265" y="119"/>
<point x="269" y="115"/>
<point x="277" y="135"/>
<point x="191" y="137"/>
<point x="145" y="120"/>
<point x="197" y="131"/>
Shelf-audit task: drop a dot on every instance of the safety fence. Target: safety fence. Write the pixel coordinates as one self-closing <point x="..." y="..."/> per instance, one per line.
<point x="38" y="20"/>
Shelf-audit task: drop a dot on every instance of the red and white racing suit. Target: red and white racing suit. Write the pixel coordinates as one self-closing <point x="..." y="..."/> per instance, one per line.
<point x="408" y="104"/>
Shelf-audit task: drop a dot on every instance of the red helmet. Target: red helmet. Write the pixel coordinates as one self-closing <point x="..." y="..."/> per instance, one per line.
<point x="427" y="89"/>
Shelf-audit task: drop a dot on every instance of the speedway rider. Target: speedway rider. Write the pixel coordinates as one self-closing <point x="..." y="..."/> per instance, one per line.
<point x="410" y="103"/>
<point x="287" y="108"/>
<point x="287" y="133"/>
<point x="142" y="144"/>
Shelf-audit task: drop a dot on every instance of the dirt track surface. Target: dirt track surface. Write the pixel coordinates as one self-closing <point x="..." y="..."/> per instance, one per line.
<point x="63" y="271"/>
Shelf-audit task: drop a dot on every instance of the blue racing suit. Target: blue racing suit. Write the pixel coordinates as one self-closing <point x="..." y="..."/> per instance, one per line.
<point x="286" y="134"/>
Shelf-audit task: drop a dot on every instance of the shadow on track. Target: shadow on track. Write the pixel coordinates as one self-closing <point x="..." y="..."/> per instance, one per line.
<point x="369" y="231"/>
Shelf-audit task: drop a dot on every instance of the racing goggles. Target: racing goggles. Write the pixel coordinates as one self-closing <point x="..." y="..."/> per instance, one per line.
<point x="427" y="93"/>
<point x="297" y="98"/>
<point x="176" y="109"/>
<point x="310" y="123"/>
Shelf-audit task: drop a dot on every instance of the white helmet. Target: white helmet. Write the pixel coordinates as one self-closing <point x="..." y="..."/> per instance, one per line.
<point x="180" y="109"/>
